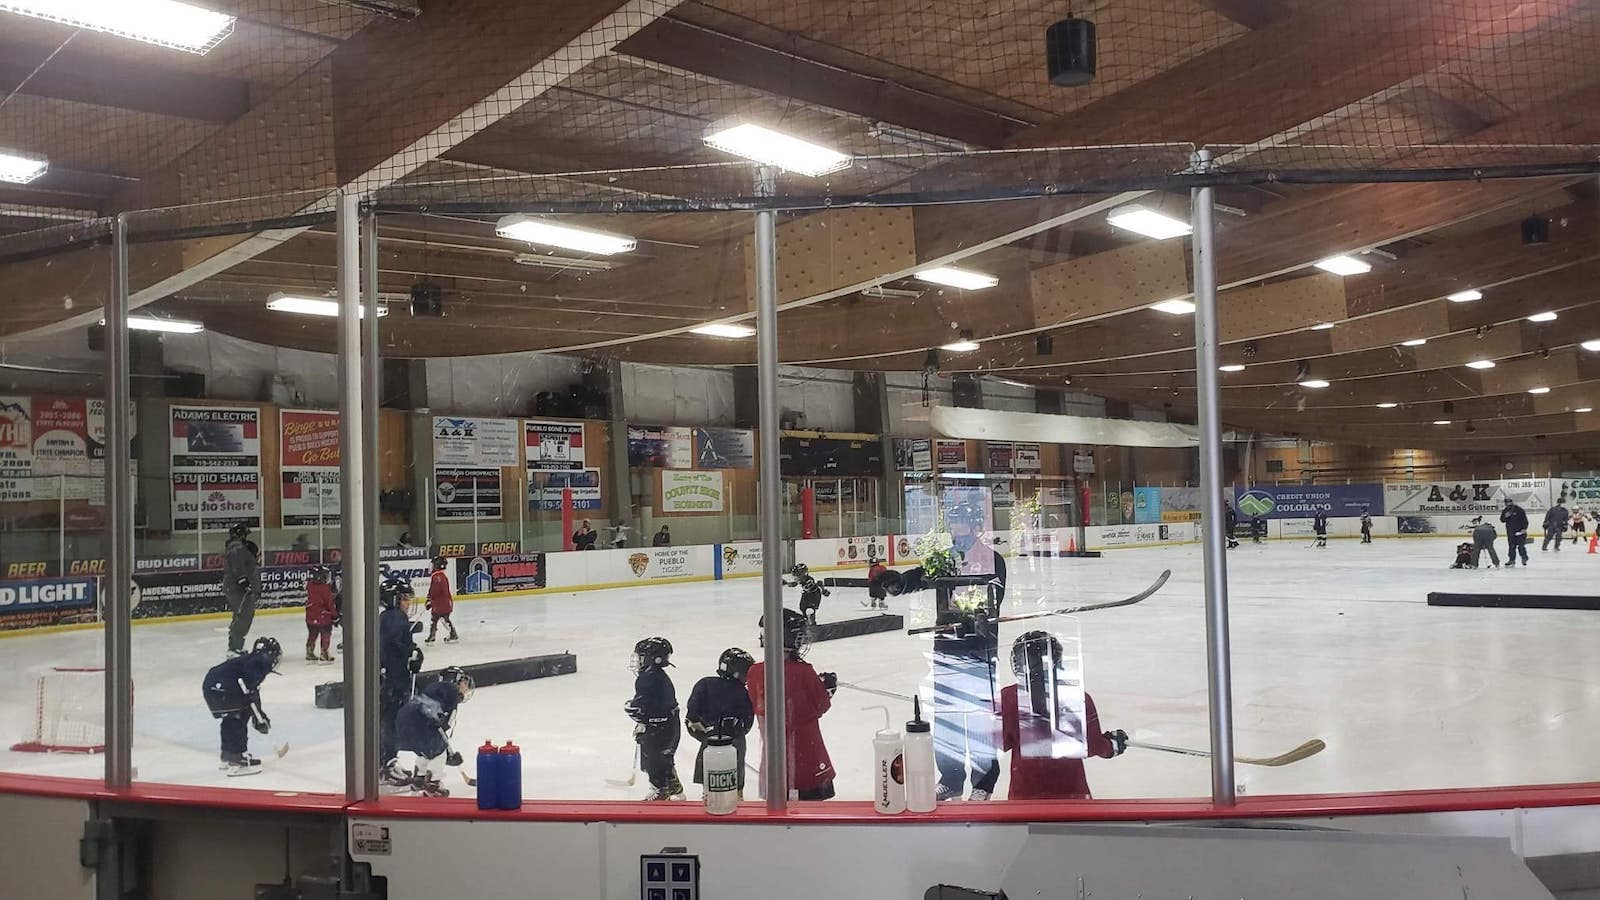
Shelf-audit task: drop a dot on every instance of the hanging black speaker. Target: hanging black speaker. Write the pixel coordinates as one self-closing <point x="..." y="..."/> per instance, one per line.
<point x="1535" y="230"/>
<point x="1069" y="51"/>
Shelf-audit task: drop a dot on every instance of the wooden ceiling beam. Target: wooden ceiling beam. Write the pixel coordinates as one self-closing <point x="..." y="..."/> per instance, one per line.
<point x="84" y="76"/>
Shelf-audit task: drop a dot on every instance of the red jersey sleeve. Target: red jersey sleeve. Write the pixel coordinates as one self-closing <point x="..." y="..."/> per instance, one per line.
<point x="1098" y="745"/>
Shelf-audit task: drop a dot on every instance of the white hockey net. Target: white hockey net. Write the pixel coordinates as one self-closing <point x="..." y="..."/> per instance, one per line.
<point x="68" y="713"/>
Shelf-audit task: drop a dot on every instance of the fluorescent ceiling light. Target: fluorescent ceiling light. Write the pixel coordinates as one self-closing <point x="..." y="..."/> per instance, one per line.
<point x="1174" y="307"/>
<point x="965" y="345"/>
<point x="1148" y="222"/>
<point x="1344" y="265"/>
<point x="1481" y="364"/>
<point x="1231" y="367"/>
<point x="1542" y="317"/>
<point x="1387" y="405"/>
<point x="1538" y="390"/>
<point x="1591" y="346"/>
<point x="1314" y="383"/>
<point x="540" y="260"/>
<point x="774" y="148"/>
<point x="1465" y="296"/>
<point x="1584" y="409"/>
<point x="724" y="330"/>
<point x="165" y="23"/>
<point x="155" y="323"/>
<point x="312" y="306"/>
<point x="966" y="279"/>
<point x="18" y="168"/>
<point x="531" y="230"/>
<point x="1019" y="384"/>
<point x="1414" y="342"/>
<point x="1322" y="326"/>
<point x="1441" y="421"/>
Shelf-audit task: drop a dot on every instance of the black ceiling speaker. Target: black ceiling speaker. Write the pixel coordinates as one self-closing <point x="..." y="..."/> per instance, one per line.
<point x="427" y="299"/>
<point x="1044" y="345"/>
<point x="1535" y="230"/>
<point x="1069" y="50"/>
<point x="1447" y="407"/>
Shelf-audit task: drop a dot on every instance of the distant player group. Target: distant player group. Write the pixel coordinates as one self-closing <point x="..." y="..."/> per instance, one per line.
<point x="1558" y="520"/>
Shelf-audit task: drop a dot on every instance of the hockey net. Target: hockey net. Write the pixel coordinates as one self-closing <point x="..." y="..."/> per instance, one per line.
<point x="68" y="713"/>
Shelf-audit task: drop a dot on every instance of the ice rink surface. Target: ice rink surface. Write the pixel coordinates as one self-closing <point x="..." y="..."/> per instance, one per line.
<point x="1336" y="643"/>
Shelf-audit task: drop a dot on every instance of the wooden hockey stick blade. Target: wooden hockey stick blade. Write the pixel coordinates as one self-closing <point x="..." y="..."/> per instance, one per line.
<point x="282" y="750"/>
<point x="471" y="782"/>
<point x="1145" y="594"/>
<point x="1308" y="749"/>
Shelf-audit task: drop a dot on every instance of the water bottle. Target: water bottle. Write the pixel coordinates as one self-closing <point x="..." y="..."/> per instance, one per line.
<point x="921" y="776"/>
<point x="510" y="787"/>
<point x="888" y="768"/>
<point x="720" y="768"/>
<point x="488" y="776"/>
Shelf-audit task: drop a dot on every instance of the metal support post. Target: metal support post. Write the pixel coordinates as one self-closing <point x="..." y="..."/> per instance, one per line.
<point x="773" y="729"/>
<point x="118" y="600"/>
<point x="371" y="380"/>
<point x="360" y="614"/>
<point x="1219" y="662"/>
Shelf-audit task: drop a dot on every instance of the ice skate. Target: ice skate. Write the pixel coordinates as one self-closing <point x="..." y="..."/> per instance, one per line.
<point x="311" y="655"/>
<point x="452" y="638"/>
<point x="235" y="765"/>
<point x="428" y="786"/>
<point x="395" y="776"/>
<point x="943" y="794"/>
<point x="978" y="795"/>
<point x="325" y="657"/>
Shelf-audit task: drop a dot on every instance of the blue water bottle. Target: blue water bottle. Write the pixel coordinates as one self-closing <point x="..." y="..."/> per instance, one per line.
<point x="488" y="776"/>
<point x="510" y="787"/>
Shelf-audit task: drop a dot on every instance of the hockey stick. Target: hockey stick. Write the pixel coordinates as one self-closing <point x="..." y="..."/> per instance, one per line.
<point x="633" y="774"/>
<point x="471" y="782"/>
<point x="1145" y="594"/>
<point x="1304" y="751"/>
<point x="866" y="690"/>
<point x="281" y="750"/>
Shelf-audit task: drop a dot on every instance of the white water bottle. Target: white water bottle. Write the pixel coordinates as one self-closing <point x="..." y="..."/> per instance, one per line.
<point x="921" y="775"/>
<point x="720" y="767"/>
<point x="888" y="769"/>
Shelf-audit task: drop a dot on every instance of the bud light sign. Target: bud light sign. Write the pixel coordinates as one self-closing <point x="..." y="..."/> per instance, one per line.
<point x="45" y="601"/>
<point x="1304" y="501"/>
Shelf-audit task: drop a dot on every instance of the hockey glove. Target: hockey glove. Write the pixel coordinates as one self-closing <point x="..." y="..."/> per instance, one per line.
<point x="414" y="664"/>
<point x="261" y="724"/>
<point x="830" y="681"/>
<point x="1119" y="742"/>
<point x="452" y="758"/>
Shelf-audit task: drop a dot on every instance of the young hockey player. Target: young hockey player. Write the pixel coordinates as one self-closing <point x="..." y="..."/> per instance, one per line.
<point x="1035" y="656"/>
<point x="1319" y="524"/>
<point x="1579" y="527"/>
<point x="423" y="728"/>
<point x="320" y="613"/>
<point x="1366" y="527"/>
<point x="399" y="660"/>
<point x="811" y="590"/>
<point x="1230" y="522"/>
<point x="876" y="593"/>
<point x="654" y="710"/>
<point x="720" y="704"/>
<point x="1463" y="556"/>
<point x="440" y="601"/>
<point x="807" y="695"/>
<point x="232" y="691"/>
<point x="1258" y="530"/>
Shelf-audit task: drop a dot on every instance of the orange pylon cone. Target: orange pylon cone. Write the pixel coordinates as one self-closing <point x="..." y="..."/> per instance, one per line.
<point x="1072" y="545"/>
<point x="1593" y="540"/>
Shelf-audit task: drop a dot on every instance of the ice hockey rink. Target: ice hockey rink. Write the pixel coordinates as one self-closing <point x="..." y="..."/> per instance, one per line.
<point x="1334" y="643"/>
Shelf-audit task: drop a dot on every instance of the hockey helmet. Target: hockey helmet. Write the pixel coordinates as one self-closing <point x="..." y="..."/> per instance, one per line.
<point x="394" y="590"/>
<point x="799" y="570"/>
<point x="734" y="663"/>
<point x="268" y="648"/>
<point x="1029" y="650"/>
<point x="319" y="574"/>
<point x="651" y="652"/>
<point x="458" y="676"/>
<point x="238" y="531"/>
<point x="796" y="632"/>
<point x="439" y="562"/>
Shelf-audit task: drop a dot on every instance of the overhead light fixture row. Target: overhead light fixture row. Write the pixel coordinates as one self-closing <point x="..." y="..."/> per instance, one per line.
<point x="1481" y="364"/>
<point x="965" y="279"/>
<point x="21" y="168"/>
<point x="1231" y="367"/>
<point x="774" y="148"/>
<point x="1538" y="390"/>
<point x="1148" y="222"/>
<point x="1314" y="383"/>
<point x="1174" y="307"/>
<point x="543" y="232"/>
<point x="724" y="330"/>
<point x="1390" y="405"/>
<point x="1344" y="265"/>
<point x="1542" y="317"/>
<point x="165" y="23"/>
<point x="313" y="306"/>
<point x="1414" y="342"/>
<point x="1465" y="296"/>
<point x="168" y="326"/>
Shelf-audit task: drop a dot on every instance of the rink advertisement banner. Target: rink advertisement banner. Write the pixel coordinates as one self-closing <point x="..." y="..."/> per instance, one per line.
<point x="554" y="446"/>
<point x="496" y="574"/>
<point x="309" y="466"/>
<point x="913" y="455"/>
<point x="215" y="437"/>
<point x="629" y="566"/>
<point x="691" y="492"/>
<point x="1466" y="498"/>
<point x="738" y="559"/>
<point x="188" y="593"/>
<point x="1180" y="504"/>
<point x="1580" y="492"/>
<point x="466" y="493"/>
<point x="474" y="443"/>
<point x="842" y="553"/>
<point x="216" y="500"/>
<point x="950" y="456"/>
<point x="46" y="601"/>
<point x="724" y="448"/>
<point x="1146" y="505"/>
<point x="52" y="448"/>
<point x="1301" y="501"/>
<point x="544" y="489"/>
<point x="660" y="447"/>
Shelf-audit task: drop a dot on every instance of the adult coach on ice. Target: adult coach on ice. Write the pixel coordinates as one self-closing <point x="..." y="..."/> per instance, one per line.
<point x="241" y="584"/>
<point x="1555" y="525"/>
<point x="1516" y="521"/>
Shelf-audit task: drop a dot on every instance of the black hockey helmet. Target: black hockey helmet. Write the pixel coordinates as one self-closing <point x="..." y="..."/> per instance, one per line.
<point x="439" y="562"/>
<point x="269" y="648"/>
<point x="1028" y="652"/>
<point x="799" y="570"/>
<point x="319" y="574"/>
<point x="651" y="652"/>
<point x="393" y="590"/>
<point x="735" y="663"/>
<point x="238" y="531"/>
<point x="796" y="632"/>
<point x="458" y="676"/>
<point x="892" y="582"/>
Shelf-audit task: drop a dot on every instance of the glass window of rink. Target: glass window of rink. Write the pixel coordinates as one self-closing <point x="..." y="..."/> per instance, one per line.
<point x="237" y="638"/>
<point x="53" y="514"/>
<point x="1408" y="411"/>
